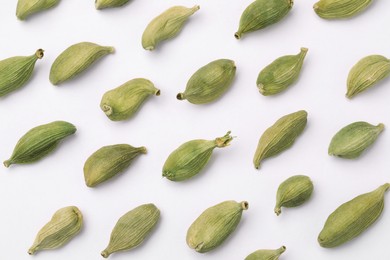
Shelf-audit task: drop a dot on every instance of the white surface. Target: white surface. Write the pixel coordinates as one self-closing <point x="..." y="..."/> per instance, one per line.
<point x="30" y="194"/>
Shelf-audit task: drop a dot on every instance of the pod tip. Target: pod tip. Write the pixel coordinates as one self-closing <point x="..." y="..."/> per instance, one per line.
<point x="7" y="163"/>
<point x="237" y="35"/>
<point x="180" y="96"/>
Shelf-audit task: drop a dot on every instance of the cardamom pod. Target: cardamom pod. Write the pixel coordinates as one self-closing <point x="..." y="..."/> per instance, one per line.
<point x="191" y="157"/>
<point x="337" y="9"/>
<point x="76" y="59"/>
<point x="352" y="218"/>
<point x="16" y="71"/>
<point x="166" y="26"/>
<point x="280" y="74"/>
<point x="39" y="142"/>
<point x="262" y="13"/>
<point x="367" y="73"/>
<point x="351" y="141"/>
<point x="25" y="8"/>
<point x="215" y="225"/>
<point x="280" y="136"/>
<point x="102" y="4"/>
<point x="266" y="254"/>
<point x="63" y="226"/>
<point x="209" y="82"/>
<point x="108" y="161"/>
<point x="132" y="229"/>
<point x="293" y="192"/>
<point x="124" y="101"/>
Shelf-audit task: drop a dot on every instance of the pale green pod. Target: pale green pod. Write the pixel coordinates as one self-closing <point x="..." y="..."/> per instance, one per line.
<point x="262" y="13"/>
<point x="280" y="136"/>
<point x="63" y="226"/>
<point x="132" y="229"/>
<point x="215" y="225"/>
<point x="191" y="157"/>
<point x="39" y="142"/>
<point x="25" y="8"/>
<point x="76" y="59"/>
<point x="293" y="192"/>
<point x="367" y="73"/>
<point x="209" y="82"/>
<point x="102" y="4"/>
<point x="337" y="9"/>
<point x="124" y="101"/>
<point x="109" y="161"/>
<point x="280" y="74"/>
<point x="166" y="26"/>
<point x="353" y="218"/>
<point x="15" y="72"/>
<point x="351" y="141"/>
<point x="266" y="254"/>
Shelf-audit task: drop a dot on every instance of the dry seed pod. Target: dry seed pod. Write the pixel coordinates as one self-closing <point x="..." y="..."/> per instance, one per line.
<point x="166" y="26"/>
<point x="352" y="218"/>
<point x="293" y="192"/>
<point x="191" y="157"/>
<point x="215" y="225"/>
<point x="351" y="141"/>
<point x="102" y="4"/>
<point x="266" y="254"/>
<point x="337" y="9"/>
<point x="209" y="82"/>
<point x="76" y="59"/>
<point x="63" y="226"/>
<point x="132" y="229"/>
<point x="16" y="71"/>
<point x="26" y="8"/>
<point x="39" y="142"/>
<point x="124" y="101"/>
<point x="280" y="74"/>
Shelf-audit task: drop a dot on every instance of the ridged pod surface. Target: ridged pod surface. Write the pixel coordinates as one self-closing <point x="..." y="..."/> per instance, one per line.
<point x="102" y="4"/>
<point x="266" y="254"/>
<point x="25" y="8"/>
<point x="337" y="9"/>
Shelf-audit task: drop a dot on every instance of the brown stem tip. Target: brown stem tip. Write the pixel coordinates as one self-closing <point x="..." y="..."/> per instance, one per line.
<point x="158" y="92"/>
<point x="180" y="96"/>
<point x="237" y="35"/>
<point x="39" y="53"/>
<point x="244" y="205"/>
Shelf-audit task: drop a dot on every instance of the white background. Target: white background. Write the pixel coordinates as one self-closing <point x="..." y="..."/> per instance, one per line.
<point x="30" y="194"/>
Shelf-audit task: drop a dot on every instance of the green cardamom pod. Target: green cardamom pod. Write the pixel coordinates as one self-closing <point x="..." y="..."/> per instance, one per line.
<point x="63" y="226"/>
<point x="76" y="59"/>
<point x="108" y="161"/>
<point x="16" y="71"/>
<point x="337" y="9"/>
<point x="209" y="82"/>
<point x="191" y="157"/>
<point x="352" y="218"/>
<point x="281" y="73"/>
<point x="280" y="136"/>
<point x="266" y="254"/>
<point x="102" y="4"/>
<point x="215" y="225"/>
<point x="166" y="26"/>
<point x="262" y="13"/>
<point x="26" y="8"/>
<point x="351" y="141"/>
<point x="39" y="142"/>
<point x="124" y="101"/>
<point x="293" y="192"/>
<point x="132" y="229"/>
<point x="366" y="73"/>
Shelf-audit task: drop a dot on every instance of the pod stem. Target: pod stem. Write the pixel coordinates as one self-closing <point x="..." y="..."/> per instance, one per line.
<point x="107" y="110"/>
<point x="244" y="205"/>
<point x="32" y="250"/>
<point x="278" y="210"/>
<point x="39" y="53"/>
<point x="381" y="127"/>
<point x="195" y="8"/>
<point x="386" y="186"/>
<point x="303" y="52"/>
<point x="180" y="96"/>
<point x="224" y="141"/>
<point x="238" y="35"/>
<point x="7" y="163"/>
<point x="281" y="250"/>
<point x="143" y="149"/>
<point x="157" y="92"/>
<point x="105" y="253"/>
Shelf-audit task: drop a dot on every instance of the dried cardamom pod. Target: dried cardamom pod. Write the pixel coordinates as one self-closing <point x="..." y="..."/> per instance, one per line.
<point x="132" y="229"/>
<point x="293" y="192"/>
<point x="337" y="9"/>
<point x="266" y="254"/>
<point x="209" y="82"/>
<point x="191" y="157"/>
<point x="351" y="141"/>
<point x="280" y="74"/>
<point x="108" y="161"/>
<point x="280" y="136"/>
<point x="63" y="226"/>
<point x="16" y="71"/>
<point x="215" y="225"/>
<point x="102" y="4"/>
<point x="76" y="59"/>
<point x="39" y="142"/>
<point x="352" y="218"/>
<point x="366" y="73"/>
<point x="124" y="101"/>
<point x="26" y="8"/>
<point x="166" y="26"/>
<point x="262" y="13"/>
